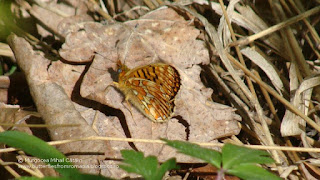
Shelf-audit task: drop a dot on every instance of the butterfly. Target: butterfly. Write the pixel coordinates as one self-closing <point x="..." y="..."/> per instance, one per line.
<point x="151" y="89"/>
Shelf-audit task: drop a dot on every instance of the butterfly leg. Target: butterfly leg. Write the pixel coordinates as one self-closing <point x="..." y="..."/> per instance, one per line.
<point x="113" y="84"/>
<point x="129" y="109"/>
<point x="116" y="84"/>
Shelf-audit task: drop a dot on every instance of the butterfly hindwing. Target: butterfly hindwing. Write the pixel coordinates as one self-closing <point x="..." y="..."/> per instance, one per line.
<point x="151" y="89"/>
<point x="148" y="97"/>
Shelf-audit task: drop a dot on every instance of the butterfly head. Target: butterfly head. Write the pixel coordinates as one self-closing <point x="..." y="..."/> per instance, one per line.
<point x="121" y="69"/>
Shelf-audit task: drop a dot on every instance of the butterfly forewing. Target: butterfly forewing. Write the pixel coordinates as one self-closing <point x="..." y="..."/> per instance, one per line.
<point x="151" y="89"/>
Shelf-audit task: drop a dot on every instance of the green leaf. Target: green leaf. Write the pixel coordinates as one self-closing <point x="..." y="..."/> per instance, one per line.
<point x="168" y="165"/>
<point x="6" y="19"/>
<point x="211" y="156"/>
<point x="252" y="172"/>
<point x="135" y="162"/>
<point x="233" y="155"/>
<point x="12" y="70"/>
<point x="38" y="148"/>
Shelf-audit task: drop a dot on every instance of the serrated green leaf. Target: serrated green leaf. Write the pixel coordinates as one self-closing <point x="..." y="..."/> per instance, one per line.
<point x="233" y="155"/>
<point x="137" y="163"/>
<point x="211" y="156"/>
<point x="168" y="165"/>
<point x="38" y="148"/>
<point x="252" y="172"/>
<point x="148" y="167"/>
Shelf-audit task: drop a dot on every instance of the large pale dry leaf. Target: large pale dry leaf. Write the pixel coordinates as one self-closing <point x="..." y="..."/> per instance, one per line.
<point x="160" y="36"/>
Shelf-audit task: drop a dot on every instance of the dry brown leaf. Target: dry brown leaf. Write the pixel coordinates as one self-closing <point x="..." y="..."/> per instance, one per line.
<point x="8" y="113"/>
<point x="164" y="36"/>
<point x="65" y="75"/>
<point x="52" y="14"/>
<point x="12" y="114"/>
<point x="56" y="107"/>
<point x="50" y="18"/>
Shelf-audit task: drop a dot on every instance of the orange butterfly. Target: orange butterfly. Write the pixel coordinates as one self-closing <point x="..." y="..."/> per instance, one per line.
<point x="151" y="89"/>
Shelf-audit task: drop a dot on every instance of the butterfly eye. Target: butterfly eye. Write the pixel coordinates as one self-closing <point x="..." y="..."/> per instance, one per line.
<point x="119" y="70"/>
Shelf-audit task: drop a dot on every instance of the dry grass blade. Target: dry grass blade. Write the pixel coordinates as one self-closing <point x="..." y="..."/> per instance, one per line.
<point x="276" y="27"/>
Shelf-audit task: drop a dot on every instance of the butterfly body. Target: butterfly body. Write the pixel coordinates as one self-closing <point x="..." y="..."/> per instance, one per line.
<point x="151" y="89"/>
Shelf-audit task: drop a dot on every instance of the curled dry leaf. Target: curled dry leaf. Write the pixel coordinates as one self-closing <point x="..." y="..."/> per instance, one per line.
<point x="160" y="36"/>
<point x="292" y="124"/>
<point x="266" y="66"/>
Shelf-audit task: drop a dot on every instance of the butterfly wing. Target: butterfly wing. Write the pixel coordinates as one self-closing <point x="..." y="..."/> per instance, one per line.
<point x="150" y="99"/>
<point x="152" y="89"/>
<point x="162" y="74"/>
